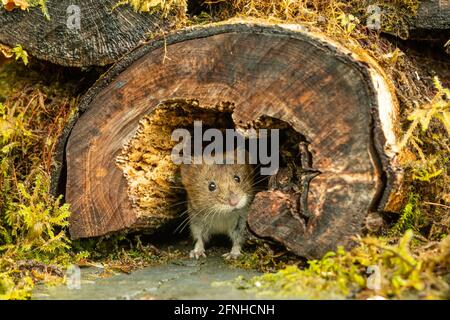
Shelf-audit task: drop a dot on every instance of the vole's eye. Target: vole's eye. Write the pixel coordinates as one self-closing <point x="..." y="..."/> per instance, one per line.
<point x="212" y="186"/>
<point x="237" y="179"/>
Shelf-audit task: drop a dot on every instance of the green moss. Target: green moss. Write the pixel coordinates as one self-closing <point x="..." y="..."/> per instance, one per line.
<point x="17" y="52"/>
<point x="426" y="158"/>
<point x="42" y="4"/>
<point x="343" y="274"/>
<point x="166" y="8"/>
<point x="395" y="15"/>
<point x="32" y="222"/>
<point x="265" y="257"/>
<point x="411" y="217"/>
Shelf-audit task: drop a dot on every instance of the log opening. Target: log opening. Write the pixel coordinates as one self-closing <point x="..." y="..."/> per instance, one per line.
<point x="153" y="179"/>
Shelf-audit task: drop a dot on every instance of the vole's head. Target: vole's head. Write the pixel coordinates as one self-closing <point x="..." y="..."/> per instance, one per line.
<point x="218" y="188"/>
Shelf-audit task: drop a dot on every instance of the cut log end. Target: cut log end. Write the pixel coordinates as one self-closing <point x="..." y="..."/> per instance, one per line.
<point x="336" y="112"/>
<point x="78" y="34"/>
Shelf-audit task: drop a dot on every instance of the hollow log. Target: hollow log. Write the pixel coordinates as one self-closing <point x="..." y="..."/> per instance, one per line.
<point x="105" y="34"/>
<point x="345" y="167"/>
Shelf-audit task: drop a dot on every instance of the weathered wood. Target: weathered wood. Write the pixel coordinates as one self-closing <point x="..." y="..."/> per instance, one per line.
<point x="433" y="15"/>
<point x="104" y="37"/>
<point x="106" y="34"/>
<point x="338" y="101"/>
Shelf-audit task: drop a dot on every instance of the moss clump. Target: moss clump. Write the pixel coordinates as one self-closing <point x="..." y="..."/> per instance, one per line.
<point x="265" y="257"/>
<point x="426" y="158"/>
<point x="32" y="114"/>
<point x="16" y="52"/>
<point x="333" y="17"/>
<point x="121" y="253"/>
<point x="153" y="184"/>
<point x="344" y="274"/>
<point x="167" y="8"/>
<point x="411" y="217"/>
<point x="34" y="245"/>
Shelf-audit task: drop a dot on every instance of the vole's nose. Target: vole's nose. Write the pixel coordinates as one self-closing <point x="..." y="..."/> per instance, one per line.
<point x="234" y="199"/>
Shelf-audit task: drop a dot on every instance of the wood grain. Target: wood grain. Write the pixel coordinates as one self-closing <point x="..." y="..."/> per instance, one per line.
<point x="104" y="37"/>
<point x="433" y="15"/>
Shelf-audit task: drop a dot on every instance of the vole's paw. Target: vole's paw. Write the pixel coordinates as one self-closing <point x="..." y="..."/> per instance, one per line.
<point x="197" y="254"/>
<point x="231" y="255"/>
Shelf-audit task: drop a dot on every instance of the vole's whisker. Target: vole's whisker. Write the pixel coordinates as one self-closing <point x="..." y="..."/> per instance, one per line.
<point x="168" y="189"/>
<point x="182" y="223"/>
<point x="189" y="218"/>
<point x="260" y="180"/>
<point x="177" y="204"/>
<point x="186" y="221"/>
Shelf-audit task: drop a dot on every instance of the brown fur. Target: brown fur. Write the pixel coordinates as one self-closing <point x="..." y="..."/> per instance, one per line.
<point x="210" y="212"/>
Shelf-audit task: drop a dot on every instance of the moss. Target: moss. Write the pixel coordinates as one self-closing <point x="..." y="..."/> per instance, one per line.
<point x="411" y="217"/>
<point x="153" y="180"/>
<point x="344" y="274"/>
<point x="333" y="17"/>
<point x="167" y="8"/>
<point x="121" y="253"/>
<point x="18" y="52"/>
<point x="42" y="4"/>
<point x="32" y="222"/>
<point x="395" y="15"/>
<point x="33" y="113"/>
<point x="35" y="104"/>
<point x="426" y="142"/>
<point x="265" y="257"/>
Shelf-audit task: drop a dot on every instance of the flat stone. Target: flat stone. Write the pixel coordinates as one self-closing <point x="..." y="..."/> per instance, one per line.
<point x="178" y="279"/>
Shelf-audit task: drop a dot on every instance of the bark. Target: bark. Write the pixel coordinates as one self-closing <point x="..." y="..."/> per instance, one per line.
<point x="337" y="100"/>
<point x="104" y="36"/>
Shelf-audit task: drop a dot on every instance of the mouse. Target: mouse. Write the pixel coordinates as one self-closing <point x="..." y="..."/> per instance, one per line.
<point x="218" y="200"/>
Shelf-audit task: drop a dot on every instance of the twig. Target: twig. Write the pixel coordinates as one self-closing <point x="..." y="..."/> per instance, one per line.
<point x="436" y="204"/>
